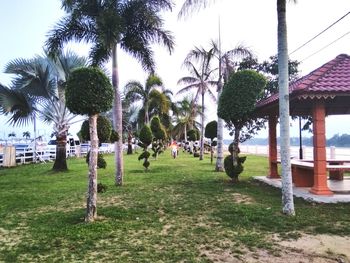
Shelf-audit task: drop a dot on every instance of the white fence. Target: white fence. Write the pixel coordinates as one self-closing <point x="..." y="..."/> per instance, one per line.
<point x="331" y="152"/>
<point x="10" y="156"/>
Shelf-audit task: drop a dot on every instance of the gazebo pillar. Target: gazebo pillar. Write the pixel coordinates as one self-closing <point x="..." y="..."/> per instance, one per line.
<point x="273" y="172"/>
<point x="320" y="186"/>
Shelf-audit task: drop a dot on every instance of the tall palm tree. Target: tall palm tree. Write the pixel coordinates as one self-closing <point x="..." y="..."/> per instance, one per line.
<point x="37" y="90"/>
<point x="287" y="190"/>
<point x="153" y="100"/>
<point x="228" y="63"/>
<point x="132" y="25"/>
<point x="287" y="187"/>
<point x="185" y="113"/>
<point x="200" y="80"/>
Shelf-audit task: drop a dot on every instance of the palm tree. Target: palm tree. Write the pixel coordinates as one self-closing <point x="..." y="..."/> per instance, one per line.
<point x="153" y="101"/>
<point x="131" y="25"/>
<point x="26" y="135"/>
<point x="200" y="81"/>
<point x="185" y="113"/>
<point x="287" y="190"/>
<point x="228" y="63"/>
<point x="287" y="187"/>
<point x="38" y="90"/>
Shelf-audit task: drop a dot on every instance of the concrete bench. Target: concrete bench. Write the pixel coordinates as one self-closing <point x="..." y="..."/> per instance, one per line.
<point x="303" y="172"/>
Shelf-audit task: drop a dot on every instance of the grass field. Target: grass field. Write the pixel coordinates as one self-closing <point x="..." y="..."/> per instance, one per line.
<point x="179" y="211"/>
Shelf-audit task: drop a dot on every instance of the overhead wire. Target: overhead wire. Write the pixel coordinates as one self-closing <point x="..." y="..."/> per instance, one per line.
<point x="331" y="43"/>
<point x="323" y="31"/>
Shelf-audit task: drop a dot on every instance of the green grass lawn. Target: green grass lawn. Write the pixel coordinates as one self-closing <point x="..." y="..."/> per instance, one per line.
<point x="172" y="213"/>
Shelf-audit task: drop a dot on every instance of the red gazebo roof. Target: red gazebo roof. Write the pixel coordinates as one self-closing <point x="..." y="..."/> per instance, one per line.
<point x="330" y="82"/>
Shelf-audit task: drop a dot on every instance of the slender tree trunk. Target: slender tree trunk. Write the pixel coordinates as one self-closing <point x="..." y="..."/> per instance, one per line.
<point x="185" y="133"/>
<point x="91" y="204"/>
<point x="287" y="188"/>
<point x="146" y="113"/>
<point x="117" y="120"/>
<point x="211" y="151"/>
<point x="236" y="146"/>
<point x="61" y="153"/>
<point x="219" y="167"/>
<point x="129" y="143"/>
<point x="202" y="129"/>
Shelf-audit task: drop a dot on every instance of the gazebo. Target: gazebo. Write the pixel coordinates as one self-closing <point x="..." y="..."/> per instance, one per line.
<point x="325" y="91"/>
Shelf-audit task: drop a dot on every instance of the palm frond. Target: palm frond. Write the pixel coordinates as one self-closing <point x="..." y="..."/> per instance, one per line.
<point x="191" y="6"/>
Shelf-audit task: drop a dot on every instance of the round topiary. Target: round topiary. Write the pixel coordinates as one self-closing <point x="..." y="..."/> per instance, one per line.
<point x="104" y="129"/>
<point x="114" y="136"/>
<point x="211" y="130"/>
<point x="146" y="135"/>
<point x="101" y="188"/>
<point x="101" y="162"/>
<point x="98" y="98"/>
<point x="231" y="170"/>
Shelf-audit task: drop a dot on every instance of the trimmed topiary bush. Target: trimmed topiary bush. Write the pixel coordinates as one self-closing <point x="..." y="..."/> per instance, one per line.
<point x="94" y="100"/>
<point x="104" y="129"/>
<point x="101" y="188"/>
<point x="231" y="169"/>
<point x="159" y="136"/>
<point x="101" y="162"/>
<point x="146" y="138"/>
<point x="211" y="131"/>
<point x="89" y="92"/>
<point x="114" y="136"/>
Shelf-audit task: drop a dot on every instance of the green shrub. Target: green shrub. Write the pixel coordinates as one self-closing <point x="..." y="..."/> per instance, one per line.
<point x="145" y="140"/>
<point x="234" y="171"/>
<point x="101" y="188"/>
<point x="114" y="136"/>
<point x="101" y="162"/>
<point x="98" y="98"/>
<point x="104" y="129"/>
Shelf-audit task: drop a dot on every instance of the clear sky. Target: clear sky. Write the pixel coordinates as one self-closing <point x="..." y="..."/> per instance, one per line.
<point x="24" y="26"/>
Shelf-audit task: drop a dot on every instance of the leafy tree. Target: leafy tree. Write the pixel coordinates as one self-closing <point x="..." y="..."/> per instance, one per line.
<point x="243" y="88"/>
<point x="200" y="80"/>
<point x="104" y="129"/>
<point x="81" y="90"/>
<point x="228" y="63"/>
<point x="145" y="140"/>
<point x="211" y="132"/>
<point x="131" y="25"/>
<point x="38" y="91"/>
<point x="159" y="135"/>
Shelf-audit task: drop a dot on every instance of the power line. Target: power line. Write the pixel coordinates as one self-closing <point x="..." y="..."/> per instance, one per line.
<point x="325" y="46"/>
<point x="320" y="33"/>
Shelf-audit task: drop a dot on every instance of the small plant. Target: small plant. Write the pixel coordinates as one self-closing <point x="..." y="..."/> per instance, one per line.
<point x="101" y="188"/>
<point x="159" y="136"/>
<point x="145" y="140"/>
<point x="101" y="162"/>
<point x="232" y="169"/>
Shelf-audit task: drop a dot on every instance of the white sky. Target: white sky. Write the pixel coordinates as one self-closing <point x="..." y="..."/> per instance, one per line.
<point x="24" y="25"/>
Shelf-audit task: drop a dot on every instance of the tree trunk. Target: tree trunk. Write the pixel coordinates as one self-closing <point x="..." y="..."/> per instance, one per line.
<point x="146" y="113"/>
<point x="287" y="188"/>
<point x="91" y="204"/>
<point x="219" y="167"/>
<point x="129" y="144"/>
<point x="202" y="129"/>
<point x="61" y="152"/>
<point x="211" y="151"/>
<point x="185" y="133"/>
<point x="117" y="120"/>
<point x="236" y="146"/>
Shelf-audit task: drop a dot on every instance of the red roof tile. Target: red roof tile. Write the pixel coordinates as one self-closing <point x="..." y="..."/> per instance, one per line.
<point x="332" y="77"/>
